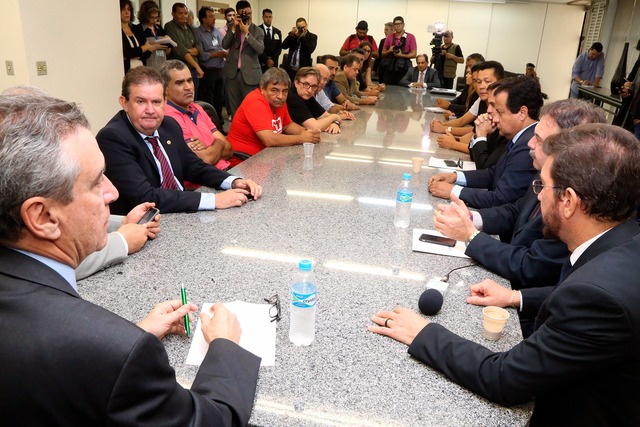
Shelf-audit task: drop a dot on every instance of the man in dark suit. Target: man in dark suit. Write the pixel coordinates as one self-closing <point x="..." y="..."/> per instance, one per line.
<point x="522" y="254"/>
<point x="272" y="42"/>
<point x="301" y="44"/>
<point x="581" y="363"/>
<point x="245" y="42"/>
<point x="148" y="160"/>
<point x="68" y="361"/>
<point x="421" y="76"/>
<point x="514" y="109"/>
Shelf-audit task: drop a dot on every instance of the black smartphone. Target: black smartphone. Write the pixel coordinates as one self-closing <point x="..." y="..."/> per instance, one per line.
<point x="444" y="241"/>
<point x="454" y="164"/>
<point x="149" y="215"/>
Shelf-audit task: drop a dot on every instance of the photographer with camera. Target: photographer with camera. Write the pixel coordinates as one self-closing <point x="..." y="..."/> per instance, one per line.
<point x="245" y="42"/>
<point x="399" y="48"/>
<point x="301" y="44"/>
<point x="446" y="58"/>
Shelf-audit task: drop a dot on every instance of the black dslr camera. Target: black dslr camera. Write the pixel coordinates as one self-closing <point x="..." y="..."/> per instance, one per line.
<point x="398" y="49"/>
<point x="244" y="18"/>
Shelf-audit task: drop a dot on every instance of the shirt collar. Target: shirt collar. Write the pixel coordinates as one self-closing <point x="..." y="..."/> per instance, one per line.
<point x="515" y="138"/>
<point x="192" y="112"/>
<point x="67" y="273"/>
<point x="573" y="258"/>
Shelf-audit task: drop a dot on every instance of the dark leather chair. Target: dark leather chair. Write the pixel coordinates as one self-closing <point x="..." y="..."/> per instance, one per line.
<point x="211" y="112"/>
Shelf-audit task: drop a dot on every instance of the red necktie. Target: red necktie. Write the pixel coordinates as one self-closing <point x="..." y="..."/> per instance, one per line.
<point x="168" y="180"/>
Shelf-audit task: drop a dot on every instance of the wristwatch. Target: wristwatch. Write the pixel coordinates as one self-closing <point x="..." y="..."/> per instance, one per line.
<point x="471" y="237"/>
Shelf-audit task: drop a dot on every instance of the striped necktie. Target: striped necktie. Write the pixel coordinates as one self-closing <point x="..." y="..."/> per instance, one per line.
<point x="168" y="180"/>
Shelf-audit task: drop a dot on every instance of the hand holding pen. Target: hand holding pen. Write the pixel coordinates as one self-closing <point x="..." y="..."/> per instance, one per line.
<point x="167" y="318"/>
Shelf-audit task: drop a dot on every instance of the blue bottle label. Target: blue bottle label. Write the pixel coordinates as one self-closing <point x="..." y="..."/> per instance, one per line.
<point x="303" y="300"/>
<point x="405" y="196"/>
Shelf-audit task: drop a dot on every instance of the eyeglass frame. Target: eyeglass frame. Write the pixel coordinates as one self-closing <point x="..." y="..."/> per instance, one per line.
<point x="274" y="300"/>
<point x="537" y="186"/>
<point x="307" y="86"/>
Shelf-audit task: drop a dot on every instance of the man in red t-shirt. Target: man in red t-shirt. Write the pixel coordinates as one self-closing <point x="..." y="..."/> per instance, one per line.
<point x="263" y="119"/>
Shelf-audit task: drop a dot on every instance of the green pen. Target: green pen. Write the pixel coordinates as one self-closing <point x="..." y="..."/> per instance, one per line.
<point x="183" y="294"/>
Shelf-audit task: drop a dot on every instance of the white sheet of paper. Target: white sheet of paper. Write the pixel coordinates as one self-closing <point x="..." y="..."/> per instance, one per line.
<point x="443" y="91"/>
<point x="258" y="333"/>
<point x="435" y="109"/>
<point x="467" y="165"/>
<point x="432" y="248"/>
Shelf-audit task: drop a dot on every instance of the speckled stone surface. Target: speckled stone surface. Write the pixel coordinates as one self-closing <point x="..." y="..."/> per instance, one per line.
<point x="348" y="376"/>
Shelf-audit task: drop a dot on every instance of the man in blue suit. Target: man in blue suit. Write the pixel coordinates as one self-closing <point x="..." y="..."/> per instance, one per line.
<point x="421" y="76"/>
<point x="522" y="254"/>
<point x="581" y="363"/>
<point x="514" y="109"/>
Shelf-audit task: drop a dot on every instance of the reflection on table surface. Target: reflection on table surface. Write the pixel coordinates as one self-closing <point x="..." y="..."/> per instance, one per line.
<point x="336" y="210"/>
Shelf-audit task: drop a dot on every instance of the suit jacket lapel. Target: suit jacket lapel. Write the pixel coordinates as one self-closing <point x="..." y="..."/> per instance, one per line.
<point x="612" y="238"/>
<point x="141" y="142"/>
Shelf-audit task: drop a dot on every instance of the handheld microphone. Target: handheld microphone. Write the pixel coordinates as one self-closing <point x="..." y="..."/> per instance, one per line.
<point x="430" y="302"/>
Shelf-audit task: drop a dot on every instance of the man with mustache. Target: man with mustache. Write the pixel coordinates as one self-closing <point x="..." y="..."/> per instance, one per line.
<point x="263" y="118"/>
<point x="200" y="134"/>
<point x="147" y="158"/>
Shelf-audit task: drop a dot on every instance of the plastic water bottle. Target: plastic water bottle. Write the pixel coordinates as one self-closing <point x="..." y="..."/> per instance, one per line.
<point x="302" y="325"/>
<point x="404" y="197"/>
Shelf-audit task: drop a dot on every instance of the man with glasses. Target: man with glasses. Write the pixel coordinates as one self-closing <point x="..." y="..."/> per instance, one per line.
<point x="522" y="255"/>
<point x="346" y="82"/>
<point x="263" y="118"/>
<point x="581" y="363"/>
<point x="245" y="41"/>
<point x="399" y="49"/>
<point x="303" y="107"/>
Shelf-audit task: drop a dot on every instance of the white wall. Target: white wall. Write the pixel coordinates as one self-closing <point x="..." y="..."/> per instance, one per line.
<point x="514" y="34"/>
<point x="81" y="44"/>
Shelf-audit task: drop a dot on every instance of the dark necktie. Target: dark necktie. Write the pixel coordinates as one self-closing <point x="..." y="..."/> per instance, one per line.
<point x="268" y="33"/>
<point x="168" y="181"/>
<point x="566" y="269"/>
<point x="535" y="212"/>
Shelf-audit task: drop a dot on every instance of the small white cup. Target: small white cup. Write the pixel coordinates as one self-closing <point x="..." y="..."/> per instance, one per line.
<point x="417" y="164"/>
<point x="495" y="319"/>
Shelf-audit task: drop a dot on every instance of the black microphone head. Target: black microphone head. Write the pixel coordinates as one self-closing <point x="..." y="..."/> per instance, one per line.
<point x="430" y="302"/>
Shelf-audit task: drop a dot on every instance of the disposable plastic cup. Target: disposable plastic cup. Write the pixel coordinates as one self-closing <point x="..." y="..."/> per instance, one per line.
<point x="495" y="319"/>
<point x="417" y="164"/>
<point x="308" y="149"/>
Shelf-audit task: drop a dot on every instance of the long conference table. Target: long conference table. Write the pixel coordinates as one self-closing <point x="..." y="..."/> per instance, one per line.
<point x="336" y="210"/>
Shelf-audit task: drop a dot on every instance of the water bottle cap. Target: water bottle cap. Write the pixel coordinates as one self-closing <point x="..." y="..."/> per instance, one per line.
<point x="406" y="176"/>
<point x="305" y="265"/>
